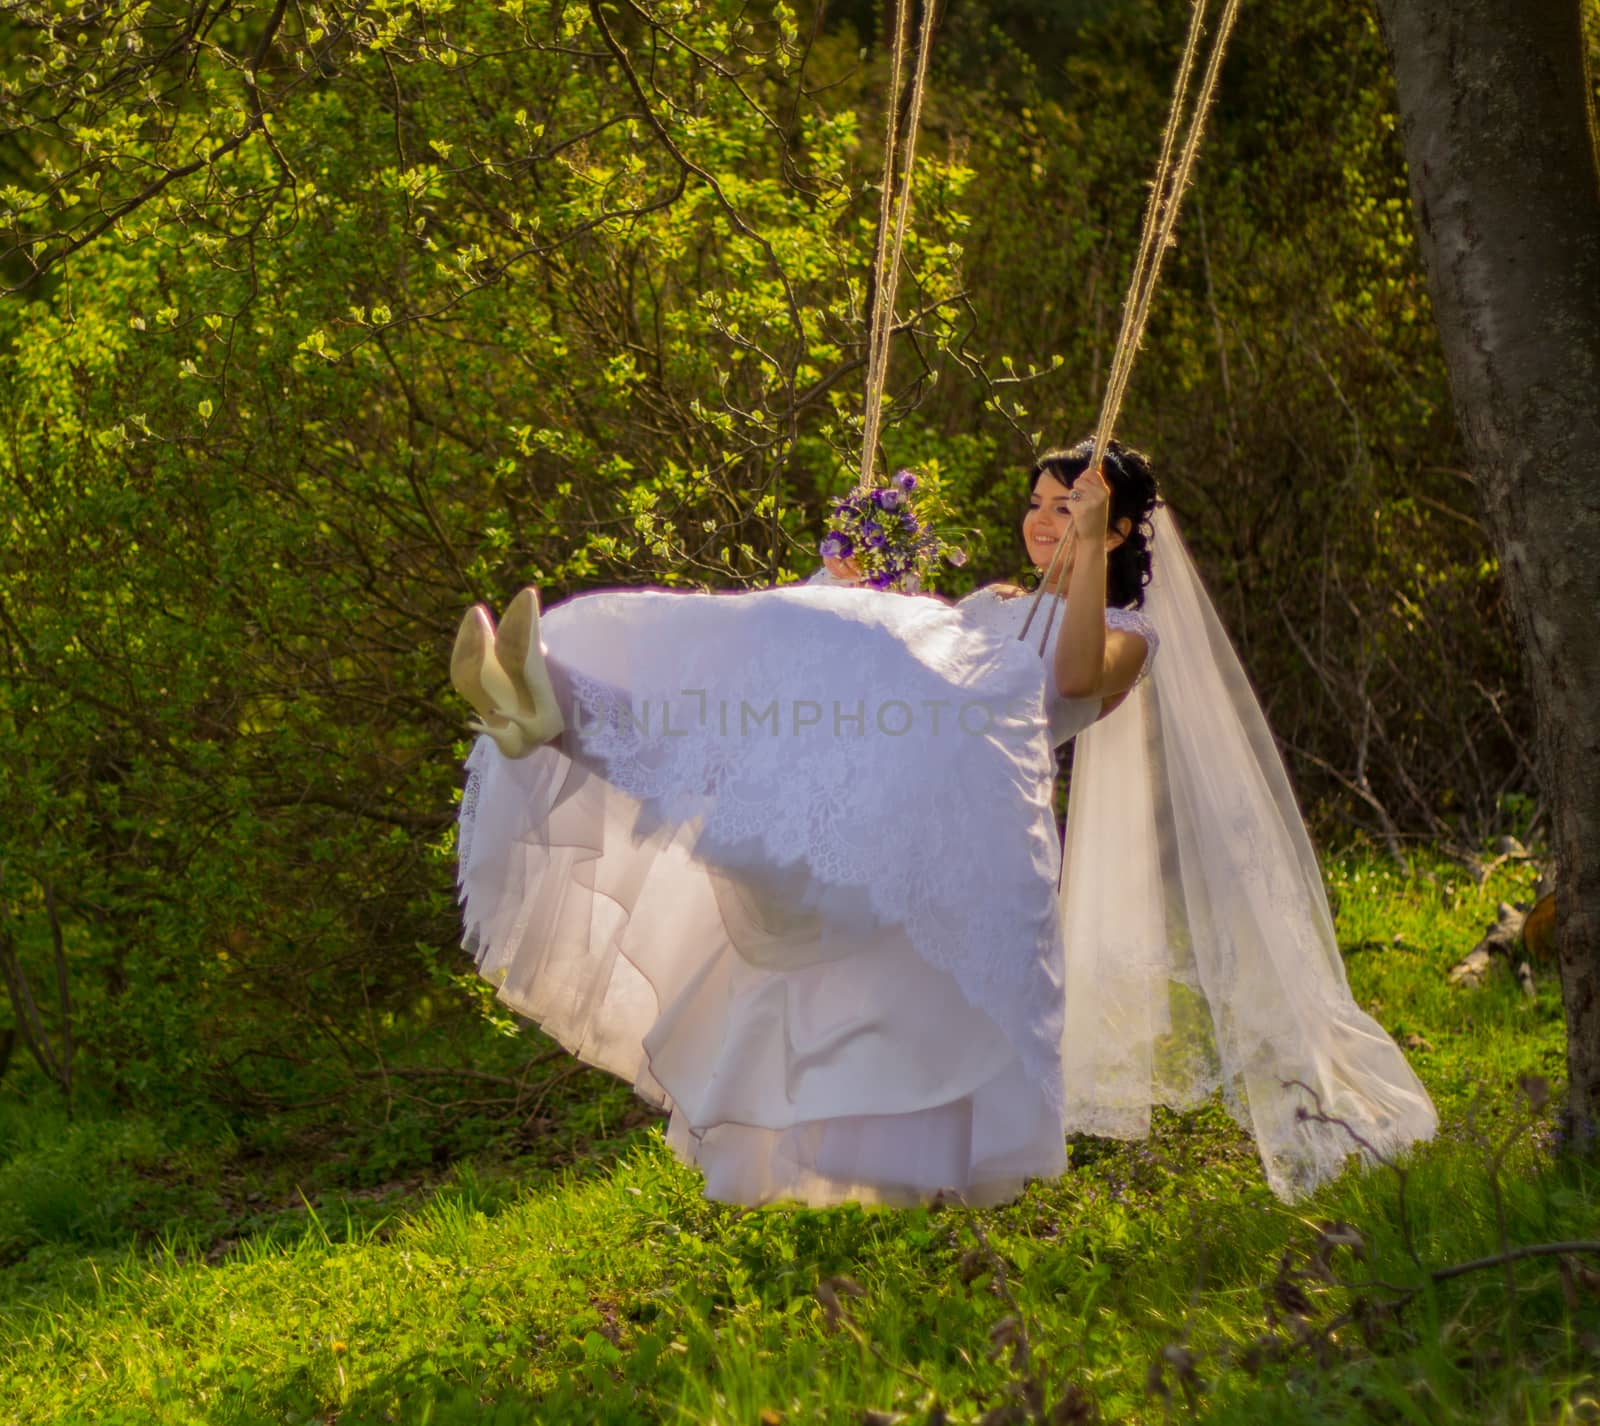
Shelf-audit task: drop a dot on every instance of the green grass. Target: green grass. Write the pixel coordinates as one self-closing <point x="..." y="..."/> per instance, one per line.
<point x="157" y="1283"/>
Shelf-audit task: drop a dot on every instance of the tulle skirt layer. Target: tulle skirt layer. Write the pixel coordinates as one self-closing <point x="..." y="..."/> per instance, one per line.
<point x="830" y="951"/>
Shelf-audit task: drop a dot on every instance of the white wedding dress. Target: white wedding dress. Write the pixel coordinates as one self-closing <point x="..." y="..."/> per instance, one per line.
<point x="792" y="871"/>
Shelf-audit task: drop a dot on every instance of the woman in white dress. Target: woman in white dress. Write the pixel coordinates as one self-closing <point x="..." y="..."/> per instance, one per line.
<point x="785" y="859"/>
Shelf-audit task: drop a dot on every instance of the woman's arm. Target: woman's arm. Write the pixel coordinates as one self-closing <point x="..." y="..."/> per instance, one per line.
<point x="1092" y="661"/>
<point x="1082" y="644"/>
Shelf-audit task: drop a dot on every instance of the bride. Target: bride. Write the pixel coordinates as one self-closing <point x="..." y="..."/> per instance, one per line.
<point x="786" y="860"/>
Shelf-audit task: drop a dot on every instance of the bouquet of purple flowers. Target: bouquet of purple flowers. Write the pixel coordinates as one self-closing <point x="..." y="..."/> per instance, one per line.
<point x="878" y="527"/>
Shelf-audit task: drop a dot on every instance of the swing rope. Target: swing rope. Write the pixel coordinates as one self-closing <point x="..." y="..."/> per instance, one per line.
<point x="1161" y="215"/>
<point x="1174" y="172"/>
<point x="893" y="211"/>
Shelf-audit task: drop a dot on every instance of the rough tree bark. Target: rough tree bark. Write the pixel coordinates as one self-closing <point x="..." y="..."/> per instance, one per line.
<point x="1497" y="115"/>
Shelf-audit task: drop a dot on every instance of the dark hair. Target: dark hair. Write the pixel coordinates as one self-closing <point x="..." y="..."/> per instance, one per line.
<point x="1133" y="497"/>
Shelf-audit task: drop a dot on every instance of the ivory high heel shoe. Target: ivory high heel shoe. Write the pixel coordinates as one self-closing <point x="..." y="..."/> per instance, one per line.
<point x="533" y="708"/>
<point x="476" y="674"/>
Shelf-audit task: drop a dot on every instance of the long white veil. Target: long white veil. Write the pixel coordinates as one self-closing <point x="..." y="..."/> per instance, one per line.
<point x="1200" y="951"/>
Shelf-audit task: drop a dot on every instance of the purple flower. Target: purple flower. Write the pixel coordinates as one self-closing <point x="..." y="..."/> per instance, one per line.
<point x="872" y="534"/>
<point x="836" y="546"/>
<point x="881" y="581"/>
<point x="908" y="521"/>
<point x="904" y="480"/>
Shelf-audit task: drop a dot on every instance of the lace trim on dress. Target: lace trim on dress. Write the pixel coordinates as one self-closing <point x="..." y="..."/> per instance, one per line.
<point x="1131" y="621"/>
<point x="761" y="808"/>
<point x="467" y="817"/>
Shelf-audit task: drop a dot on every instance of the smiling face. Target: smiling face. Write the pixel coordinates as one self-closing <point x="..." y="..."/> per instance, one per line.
<point x="1049" y="520"/>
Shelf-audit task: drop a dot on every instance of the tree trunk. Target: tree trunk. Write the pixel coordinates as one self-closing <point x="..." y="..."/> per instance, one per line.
<point x="1497" y="115"/>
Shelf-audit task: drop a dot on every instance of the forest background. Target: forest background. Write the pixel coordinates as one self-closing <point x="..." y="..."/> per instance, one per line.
<point x="324" y="321"/>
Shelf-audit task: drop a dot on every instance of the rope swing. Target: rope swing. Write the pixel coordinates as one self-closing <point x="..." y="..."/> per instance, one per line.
<point x="893" y="210"/>
<point x="1160" y="217"/>
<point x="1174" y="170"/>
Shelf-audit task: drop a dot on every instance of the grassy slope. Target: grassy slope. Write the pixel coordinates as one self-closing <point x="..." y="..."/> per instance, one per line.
<point x="610" y="1291"/>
